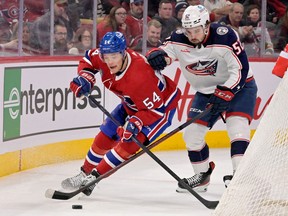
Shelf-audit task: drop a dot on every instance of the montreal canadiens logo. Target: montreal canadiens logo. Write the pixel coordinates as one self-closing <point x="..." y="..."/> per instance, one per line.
<point x="203" y="67"/>
<point x="11" y="13"/>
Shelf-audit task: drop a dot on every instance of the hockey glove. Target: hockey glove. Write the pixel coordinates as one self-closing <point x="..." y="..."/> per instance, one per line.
<point x="157" y="59"/>
<point x="82" y="84"/>
<point x="220" y="100"/>
<point x="132" y="127"/>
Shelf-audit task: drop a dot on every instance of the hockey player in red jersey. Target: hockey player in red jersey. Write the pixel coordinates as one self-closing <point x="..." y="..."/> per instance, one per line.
<point x="214" y="63"/>
<point x="148" y="104"/>
<point x="281" y="65"/>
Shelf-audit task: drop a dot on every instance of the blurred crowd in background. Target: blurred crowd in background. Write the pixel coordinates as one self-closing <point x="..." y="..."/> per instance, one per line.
<point x="69" y="27"/>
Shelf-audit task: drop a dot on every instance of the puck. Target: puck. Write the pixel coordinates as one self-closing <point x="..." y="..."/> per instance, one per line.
<point x="77" y="206"/>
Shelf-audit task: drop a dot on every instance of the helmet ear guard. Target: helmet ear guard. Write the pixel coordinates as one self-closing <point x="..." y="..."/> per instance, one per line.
<point x="113" y="42"/>
<point x="195" y="16"/>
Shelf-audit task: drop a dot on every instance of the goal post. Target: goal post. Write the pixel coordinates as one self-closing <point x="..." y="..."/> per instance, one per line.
<point x="260" y="184"/>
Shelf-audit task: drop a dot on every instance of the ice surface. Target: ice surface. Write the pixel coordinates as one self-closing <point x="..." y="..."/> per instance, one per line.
<point x="140" y="188"/>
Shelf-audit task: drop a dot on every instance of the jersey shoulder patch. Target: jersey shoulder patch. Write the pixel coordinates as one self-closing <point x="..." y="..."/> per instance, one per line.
<point x="179" y="31"/>
<point x="221" y="35"/>
<point x="222" y="30"/>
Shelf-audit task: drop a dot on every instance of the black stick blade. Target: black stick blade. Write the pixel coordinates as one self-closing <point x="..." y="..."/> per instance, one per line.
<point x="54" y="194"/>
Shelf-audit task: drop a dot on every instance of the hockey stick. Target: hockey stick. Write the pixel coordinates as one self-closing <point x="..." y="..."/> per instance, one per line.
<point x="208" y="204"/>
<point x="54" y="194"/>
<point x="64" y="196"/>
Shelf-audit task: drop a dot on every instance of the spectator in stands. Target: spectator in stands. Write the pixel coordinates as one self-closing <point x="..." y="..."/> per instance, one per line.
<point x="234" y="19"/>
<point x="153" y="36"/>
<point x="40" y="32"/>
<point x="103" y="8"/>
<point x="115" y="21"/>
<point x="25" y="38"/>
<point x="165" y="17"/>
<point x="135" y="18"/>
<point x="82" y="41"/>
<point x="282" y="29"/>
<point x="65" y="12"/>
<point x="179" y="10"/>
<point x="275" y="9"/>
<point x="217" y="8"/>
<point x="252" y="47"/>
<point x="11" y="47"/>
<point x="153" y="6"/>
<point x="5" y="31"/>
<point x="60" y="39"/>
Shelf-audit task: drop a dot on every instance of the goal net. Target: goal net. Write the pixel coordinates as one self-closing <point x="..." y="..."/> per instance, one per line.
<point x="260" y="184"/>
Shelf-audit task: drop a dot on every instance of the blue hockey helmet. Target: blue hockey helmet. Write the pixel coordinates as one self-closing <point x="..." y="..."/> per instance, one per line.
<point x="113" y="42"/>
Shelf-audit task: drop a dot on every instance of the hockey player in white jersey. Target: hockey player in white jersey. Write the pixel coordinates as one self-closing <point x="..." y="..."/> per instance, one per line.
<point x="214" y="63"/>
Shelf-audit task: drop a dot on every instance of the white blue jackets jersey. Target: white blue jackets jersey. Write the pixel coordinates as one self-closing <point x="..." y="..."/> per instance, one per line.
<point x="220" y="60"/>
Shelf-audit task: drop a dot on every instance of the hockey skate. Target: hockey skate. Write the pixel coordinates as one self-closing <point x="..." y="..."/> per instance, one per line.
<point x="199" y="182"/>
<point x="227" y="179"/>
<point x="91" y="177"/>
<point x="73" y="183"/>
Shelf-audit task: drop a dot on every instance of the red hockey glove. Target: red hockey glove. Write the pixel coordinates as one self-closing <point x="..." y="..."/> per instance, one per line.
<point x="220" y="100"/>
<point x="82" y="84"/>
<point x="132" y="127"/>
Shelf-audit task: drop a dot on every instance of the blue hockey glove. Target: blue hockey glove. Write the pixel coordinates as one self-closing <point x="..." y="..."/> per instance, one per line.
<point x="132" y="127"/>
<point x="82" y="84"/>
<point x="220" y="100"/>
<point x="157" y="59"/>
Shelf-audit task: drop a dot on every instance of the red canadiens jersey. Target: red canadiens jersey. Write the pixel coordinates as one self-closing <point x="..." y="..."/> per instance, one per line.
<point x="145" y="93"/>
